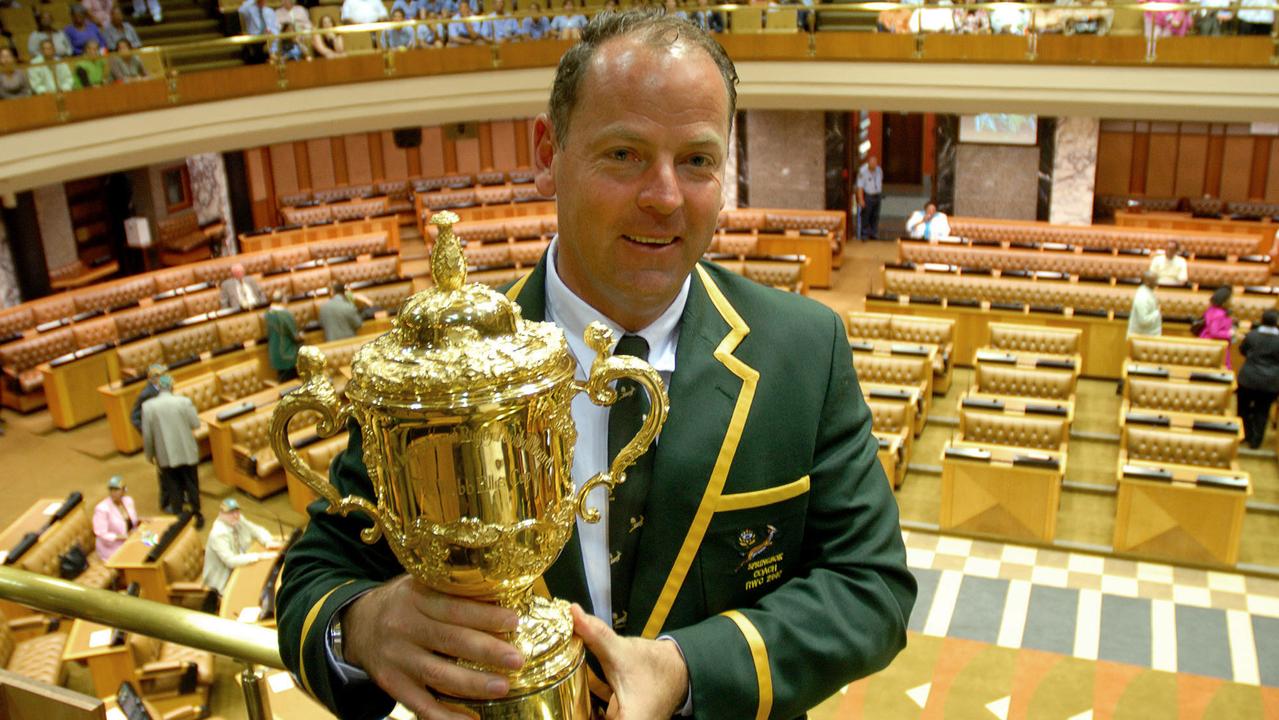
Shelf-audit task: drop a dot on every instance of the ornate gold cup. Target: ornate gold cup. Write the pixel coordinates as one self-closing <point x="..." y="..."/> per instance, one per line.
<point x="463" y="409"/>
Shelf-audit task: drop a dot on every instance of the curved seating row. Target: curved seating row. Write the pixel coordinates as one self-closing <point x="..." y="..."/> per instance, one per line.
<point x="1086" y="262"/>
<point x="1107" y="236"/>
<point x="338" y="210"/>
<point x="398" y="193"/>
<point x="285" y="236"/>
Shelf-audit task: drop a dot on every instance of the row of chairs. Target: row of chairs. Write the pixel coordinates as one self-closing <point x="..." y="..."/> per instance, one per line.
<point x="1107" y="236"/>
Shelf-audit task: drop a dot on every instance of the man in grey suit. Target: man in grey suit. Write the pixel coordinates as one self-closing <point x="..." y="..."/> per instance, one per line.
<point x="240" y="291"/>
<point x="168" y="493"/>
<point x="339" y="316"/>
<point x="168" y="438"/>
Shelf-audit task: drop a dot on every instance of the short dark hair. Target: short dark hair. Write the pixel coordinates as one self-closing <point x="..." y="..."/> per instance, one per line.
<point x="1221" y="295"/>
<point x="339" y="288"/>
<point x="652" y="26"/>
<point x="1270" y="317"/>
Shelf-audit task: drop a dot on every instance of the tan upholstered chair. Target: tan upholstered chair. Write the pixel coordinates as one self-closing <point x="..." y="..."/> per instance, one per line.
<point x="893" y="423"/>
<point x="1189" y="397"/>
<point x="74" y="529"/>
<point x="37" y="657"/>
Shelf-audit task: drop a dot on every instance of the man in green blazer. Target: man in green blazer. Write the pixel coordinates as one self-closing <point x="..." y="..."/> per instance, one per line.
<point x="767" y="563"/>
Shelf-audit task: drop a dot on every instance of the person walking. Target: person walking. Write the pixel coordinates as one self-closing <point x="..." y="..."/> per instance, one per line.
<point x="870" y="188"/>
<point x="168" y="439"/>
<point x="1145" y="318"/>
<point x="168" y="493"/>
<point x="1259" y="377"/>
<point x="282" y="338"/>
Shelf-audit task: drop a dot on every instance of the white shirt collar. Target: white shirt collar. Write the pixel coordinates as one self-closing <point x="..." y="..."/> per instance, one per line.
<point x="573" y="314"/>
<point x="1268" y="330"/>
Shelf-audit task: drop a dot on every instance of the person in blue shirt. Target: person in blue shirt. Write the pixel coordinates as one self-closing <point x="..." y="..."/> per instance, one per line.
<point x="569" y="25"/>
<point x="258" y="19"/>
<point x="429" y="32"/>
<point x="535" y="26"/>
<point x="505" y="27"/>
<point x="673" y="8"/>
<point x="81" y="31"/>
<point x="466" y="33"/>
<point x="707" y="19"/>
<point x="408" y="7"/>
<point x="398" y="38"/>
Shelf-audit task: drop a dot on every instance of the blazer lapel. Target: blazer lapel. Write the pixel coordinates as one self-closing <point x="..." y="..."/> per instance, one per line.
<point x="711" y="395"/>
<point x="566" y="578"/>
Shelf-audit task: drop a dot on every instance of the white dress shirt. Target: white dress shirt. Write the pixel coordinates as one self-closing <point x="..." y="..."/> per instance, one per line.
<point x="1169" y="270"/>
<point x="572" y="315"/>
<point x="937" y="227"/>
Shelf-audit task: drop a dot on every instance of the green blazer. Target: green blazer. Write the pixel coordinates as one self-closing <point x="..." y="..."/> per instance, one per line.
<point x="771" y="546"/>
<point x="281" y="339"/>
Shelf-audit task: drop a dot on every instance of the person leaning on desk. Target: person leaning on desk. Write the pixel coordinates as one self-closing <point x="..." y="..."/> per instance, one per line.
<point x="229" y="546"/>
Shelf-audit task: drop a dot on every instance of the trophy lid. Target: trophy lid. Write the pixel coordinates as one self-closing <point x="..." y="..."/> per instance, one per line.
<point x="457" y="345"/>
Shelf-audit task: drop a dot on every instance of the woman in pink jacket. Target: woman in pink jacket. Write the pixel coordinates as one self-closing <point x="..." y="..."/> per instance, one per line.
<point x="1218" y="325"/>
<point x="113" y="518"/>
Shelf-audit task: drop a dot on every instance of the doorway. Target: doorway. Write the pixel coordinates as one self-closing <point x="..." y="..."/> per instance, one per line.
<point x="903" y="142"/>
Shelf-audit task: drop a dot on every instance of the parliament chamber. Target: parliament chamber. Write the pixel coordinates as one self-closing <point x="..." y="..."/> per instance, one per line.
<point x="1091" y="531"/>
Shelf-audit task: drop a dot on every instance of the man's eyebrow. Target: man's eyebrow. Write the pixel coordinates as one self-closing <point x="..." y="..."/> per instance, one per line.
<point x="615" y="133"/>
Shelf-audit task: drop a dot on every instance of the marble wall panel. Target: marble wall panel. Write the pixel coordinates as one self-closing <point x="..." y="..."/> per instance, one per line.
<point x="996" y="181"/>
<point x="1074" y="170"/>
<point x="56" y="232"/>
<point x="211" y="196"/>
<point x="786" y="158"/>
<point x="9" y="291"/>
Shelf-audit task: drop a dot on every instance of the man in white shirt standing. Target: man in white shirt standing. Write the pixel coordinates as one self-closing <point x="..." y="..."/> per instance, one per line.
<point x="1145" y="318"/>
<point x="1169" y="266"/>
<point x="360" y="12"/>
<point x="870" y="188"/>
<point x="928" y="224"/>
<point x="230" y="542"/>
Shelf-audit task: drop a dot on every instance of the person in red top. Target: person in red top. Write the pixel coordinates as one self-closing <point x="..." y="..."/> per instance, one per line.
<point x="1217" y="323"/>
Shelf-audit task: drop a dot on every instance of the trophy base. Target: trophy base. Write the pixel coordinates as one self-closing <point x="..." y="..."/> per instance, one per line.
<point x="566" y="699"/>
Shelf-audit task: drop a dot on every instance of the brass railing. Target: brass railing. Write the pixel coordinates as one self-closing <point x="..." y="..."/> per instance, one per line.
<point x="250" y="645"/>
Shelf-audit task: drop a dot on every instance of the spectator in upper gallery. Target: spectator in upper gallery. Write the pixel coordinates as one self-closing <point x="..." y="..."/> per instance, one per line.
<point x="465" y="33"/>
<point x="1009" y="19"/>
<point x="113" y="519"/>
<point x="1259" y="377"/>
<point x="971" y="21"/>
<point x="81" y="31"/>
<point x="46" y="31"/>
<point x="328" y="44"/>
<point x="119" y="29"/>
<point x="142" y="7"/>
<point x="928" y="223"/>
<point x="125" y="66"/>
<point x="48" y="73"/>
<point x="99" y="11"/>
<point x="1217" y="323"/>
<point x="1163" y="23"/>
<point x="1255" y="22"/>
<point x="397" y="38"/>
<point x="672" y="8"/>
<point x="505" y="27"/>
<point x="240" y="291"/>
<point x="707" y="19"/>
<point x="535" y="26"/>
<point x="410" y="7"/>
<point x="13" y="79"/>
<point x="430" y="34"/>
<point x="1215" y="17"/>
<point x="1145" y="318"/>
<point x="937" y="18"/>
<point x="569" y="25"/>
<point x="91" y="68"/>
<point x="292" y="14"/>
<point x="362" y="12"/>
<point x="258" y="19"/>
<point x="6" y="38"/>
<point x="1168" y="265"/>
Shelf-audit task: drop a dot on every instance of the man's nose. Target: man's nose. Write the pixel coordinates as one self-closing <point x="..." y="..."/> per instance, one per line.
<point x="661" y="192"/>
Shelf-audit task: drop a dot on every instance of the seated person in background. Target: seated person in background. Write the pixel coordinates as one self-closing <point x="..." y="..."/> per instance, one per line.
<point x="465" y="33"/>
<point x="429" y="34"/>
<point x="568" y="26"/>
<point x="13" y="79"/>
<point x="397" y="38"/>
<point x="230" y="539"/>
<point x="673" y="8"/>
<point x="1009" y="19"/>
<point x="928" y="223"/>
<point x="1168" y="265"/>
<point x="142" y="7"/>
<point x="46" y="31"/>
<point x="535" y="26"/>
<point x="99" y="12"/>
<point x="118" y="30"/>
<point x="707" y="19"/>
<point x="258" y="19"/>
<point x="505" y="27"/>
<point x="113" y="518"/>
<point x="81" y="31"/>
<point x="361" y="12"/>
<point x="48" y="73"/>
<point x="91" y="69"/>
<point x="1145" y="318"/>
<point x="240" y="291"/>
<point x="327" y="44"/>
<point x="283" y="338"/>
<point x="410" y="7"/>
<point x="338" y="315"/>
<point x="125" y="66"/>
<point x="293" y="18"/>
<point x="1214" y="18"/>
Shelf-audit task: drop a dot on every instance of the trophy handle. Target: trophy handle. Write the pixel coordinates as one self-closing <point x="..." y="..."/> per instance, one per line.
<point x="316" y="393"/>
<point x="604" y="370"/>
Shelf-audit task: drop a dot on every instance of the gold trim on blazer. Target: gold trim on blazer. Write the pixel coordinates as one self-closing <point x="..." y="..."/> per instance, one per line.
<point x="306" y="632"/>
<point x="760" y="498"/>
<point x="749" y="376"/>
<point x="759" y="655"/>
<point x="513" y="292"/>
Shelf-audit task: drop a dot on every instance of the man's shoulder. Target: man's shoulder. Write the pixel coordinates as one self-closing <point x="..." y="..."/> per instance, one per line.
<point x="769" y="310"/>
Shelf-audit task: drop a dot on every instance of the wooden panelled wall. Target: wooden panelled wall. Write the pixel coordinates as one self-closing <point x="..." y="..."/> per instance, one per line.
<point x="364" y="158"/>
<point x="1170" y="159"/>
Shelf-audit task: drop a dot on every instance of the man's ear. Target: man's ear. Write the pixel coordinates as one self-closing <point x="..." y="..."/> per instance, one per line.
<point x="544" y="155"/>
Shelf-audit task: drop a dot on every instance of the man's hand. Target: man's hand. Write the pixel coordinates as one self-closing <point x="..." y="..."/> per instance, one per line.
<point x="403" y="635"/>
<point x="648" y="678"/>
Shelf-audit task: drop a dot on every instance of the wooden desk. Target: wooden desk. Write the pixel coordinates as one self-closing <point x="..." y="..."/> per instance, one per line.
<point x="997" y="498"/>
<point x="1017" y="405"/>
<point x="1263" y="230"/>
<point x="814" y="247"/>
<point x="289" y="702"/>
<point x="110" y="665"/>
<point x="131" y="559"/>
<point x="32" y="520"/>
<point x="1180" y="519"/>
<point x="1180" y="373"/>
<point x="244" y="588"/>
<point x="69" y="388"/>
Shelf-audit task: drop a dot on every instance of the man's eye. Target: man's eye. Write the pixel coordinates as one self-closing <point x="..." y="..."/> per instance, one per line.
<point x="621" y="154"/>
<point x="702" y="161"/>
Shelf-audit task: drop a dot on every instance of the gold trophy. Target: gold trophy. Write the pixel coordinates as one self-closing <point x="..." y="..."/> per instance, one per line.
<point x="464" y="412"/>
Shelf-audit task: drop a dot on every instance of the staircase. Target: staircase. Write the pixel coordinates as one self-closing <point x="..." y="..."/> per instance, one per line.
<point x="186" y="21"/>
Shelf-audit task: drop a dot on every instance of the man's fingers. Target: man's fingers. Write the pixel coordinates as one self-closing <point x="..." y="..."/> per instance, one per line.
<point x="468" y="644"/>
<point x="445" y="676"/>
<point x="416" y="698"/>
<point x="466" y="613"/>
<point x="599" y="638"/>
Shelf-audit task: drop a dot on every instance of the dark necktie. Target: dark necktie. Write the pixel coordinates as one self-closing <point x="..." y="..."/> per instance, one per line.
<point x="626" y="508"/>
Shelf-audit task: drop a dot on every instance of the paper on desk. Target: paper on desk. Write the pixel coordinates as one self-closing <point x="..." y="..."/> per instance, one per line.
<point x="100" y="638"/>
<point x="4" y="555"/>
<point x="250" y="614"/>
<point x="116" y="713"/>
<point x="53" y="507"/>
<point x="280" y="682"/>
